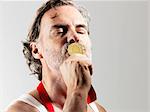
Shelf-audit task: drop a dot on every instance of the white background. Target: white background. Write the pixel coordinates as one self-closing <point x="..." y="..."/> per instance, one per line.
<point x="119" y="33"/>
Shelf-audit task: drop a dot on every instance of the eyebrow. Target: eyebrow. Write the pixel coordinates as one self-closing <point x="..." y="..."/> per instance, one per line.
<point x="65" y="25"/>
<point x="59" y="26"/>
<point x="82" y="26"/>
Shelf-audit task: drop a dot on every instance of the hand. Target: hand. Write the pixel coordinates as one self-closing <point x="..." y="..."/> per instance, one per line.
<point x="76" y="72"/>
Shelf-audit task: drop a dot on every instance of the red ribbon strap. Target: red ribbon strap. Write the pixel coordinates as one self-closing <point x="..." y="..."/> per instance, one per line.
<point x="46" y="101"/>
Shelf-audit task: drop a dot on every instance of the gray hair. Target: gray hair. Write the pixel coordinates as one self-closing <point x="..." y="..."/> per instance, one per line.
<point x="34" y="64"/>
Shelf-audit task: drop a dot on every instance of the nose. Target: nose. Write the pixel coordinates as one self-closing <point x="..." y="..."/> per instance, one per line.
<point x="71" y="41"/>
<point x="72" y="38"/>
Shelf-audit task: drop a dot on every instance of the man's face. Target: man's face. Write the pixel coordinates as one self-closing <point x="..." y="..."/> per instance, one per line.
<point x="58" y="27"/>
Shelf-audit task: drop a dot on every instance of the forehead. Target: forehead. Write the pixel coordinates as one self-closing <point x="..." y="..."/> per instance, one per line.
<point x="63" y="14"/>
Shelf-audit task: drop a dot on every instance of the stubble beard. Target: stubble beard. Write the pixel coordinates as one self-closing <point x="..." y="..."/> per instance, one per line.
<point x="56" y="58"/>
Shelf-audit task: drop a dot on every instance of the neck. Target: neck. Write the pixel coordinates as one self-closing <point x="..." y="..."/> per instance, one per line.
<point x="54" y="86"/>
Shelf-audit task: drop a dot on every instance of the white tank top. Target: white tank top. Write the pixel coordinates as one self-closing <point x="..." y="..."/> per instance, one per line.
<point x="33" y="102"/>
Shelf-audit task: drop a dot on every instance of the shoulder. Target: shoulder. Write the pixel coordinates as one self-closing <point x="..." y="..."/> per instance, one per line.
<point x="100" y="107"/>
<point x="20" y="106"/>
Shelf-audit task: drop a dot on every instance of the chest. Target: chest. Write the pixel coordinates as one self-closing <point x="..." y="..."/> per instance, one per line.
<point x="90" y="108"/>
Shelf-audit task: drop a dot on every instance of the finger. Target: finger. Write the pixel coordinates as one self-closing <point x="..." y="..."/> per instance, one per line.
<point x="79" y="57"/>
<point x="90" y="69"/>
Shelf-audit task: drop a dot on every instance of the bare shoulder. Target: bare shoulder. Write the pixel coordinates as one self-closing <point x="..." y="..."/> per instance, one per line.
<point x="20" y="106"/>
<point x="100" y="107"/>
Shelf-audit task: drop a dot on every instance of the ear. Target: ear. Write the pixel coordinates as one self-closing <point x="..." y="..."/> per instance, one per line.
<point x="35" y="51"/>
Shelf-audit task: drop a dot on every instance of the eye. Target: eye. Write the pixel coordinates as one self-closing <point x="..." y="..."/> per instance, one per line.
<point x="81" y="31"/>
<point x="62" y="31"/>
<point x="57" y="32"/>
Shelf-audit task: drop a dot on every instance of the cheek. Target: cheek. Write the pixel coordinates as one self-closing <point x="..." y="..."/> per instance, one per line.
<point x="47" y="49"/>
<point x="51" y="49"/>
<point x="58" y="43"/>
<point x="88" y="45"/>
<point x="47" y="53"/>
<point x="87" y="42"/>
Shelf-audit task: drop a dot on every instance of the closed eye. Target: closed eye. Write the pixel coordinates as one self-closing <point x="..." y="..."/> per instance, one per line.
<point x="60" y="29"/>
<point x="81" y="29"/>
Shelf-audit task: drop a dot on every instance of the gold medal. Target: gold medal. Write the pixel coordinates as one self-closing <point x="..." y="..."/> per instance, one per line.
<point x="76" y="48"/>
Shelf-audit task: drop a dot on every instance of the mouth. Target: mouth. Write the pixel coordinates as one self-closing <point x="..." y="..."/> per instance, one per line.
<point x="74" y="48"/>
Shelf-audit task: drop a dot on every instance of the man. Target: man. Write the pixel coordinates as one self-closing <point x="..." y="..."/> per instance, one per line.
<point x="58" y="51"/>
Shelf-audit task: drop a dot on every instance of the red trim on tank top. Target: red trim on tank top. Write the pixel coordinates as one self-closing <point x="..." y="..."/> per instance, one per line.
<point x="46" y="101"/>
